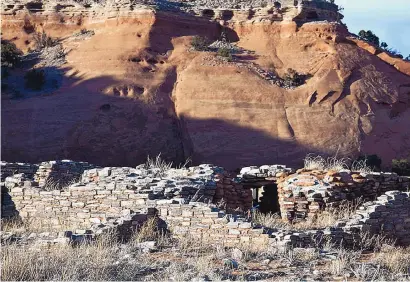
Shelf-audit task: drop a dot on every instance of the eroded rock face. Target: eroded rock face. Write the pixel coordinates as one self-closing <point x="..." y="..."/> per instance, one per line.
<point x="134" y="88"/>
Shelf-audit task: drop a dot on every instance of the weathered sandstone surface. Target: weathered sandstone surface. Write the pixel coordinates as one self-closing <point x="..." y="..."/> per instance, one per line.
<point x="135" y="89"/>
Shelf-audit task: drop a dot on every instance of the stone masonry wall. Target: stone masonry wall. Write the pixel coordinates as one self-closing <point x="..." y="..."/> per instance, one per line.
<point x="104" y="193"/>
<point x="306" y="193"/>
<point x="206" y="202"/>
<point x="389" y="215"/>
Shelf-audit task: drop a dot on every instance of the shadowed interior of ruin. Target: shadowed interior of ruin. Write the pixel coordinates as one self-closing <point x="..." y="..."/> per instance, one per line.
<point x="266" y="198"/>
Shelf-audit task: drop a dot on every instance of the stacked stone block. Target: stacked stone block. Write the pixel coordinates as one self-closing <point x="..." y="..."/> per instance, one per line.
<point x="105" y="193"/>
<point x="389" y="215"/>
<point x="232" y="195"/>
<point x="56" y="170"/>
<point x="307" y="193"/>
<point x="212" y="225"/>
<point x="9" y="169"/>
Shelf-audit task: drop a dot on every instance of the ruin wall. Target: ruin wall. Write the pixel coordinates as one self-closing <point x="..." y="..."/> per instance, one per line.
<point x="308" y="193"/>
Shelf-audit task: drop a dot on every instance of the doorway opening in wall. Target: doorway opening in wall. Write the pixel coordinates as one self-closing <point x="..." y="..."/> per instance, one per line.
<point x="266" y="198"/>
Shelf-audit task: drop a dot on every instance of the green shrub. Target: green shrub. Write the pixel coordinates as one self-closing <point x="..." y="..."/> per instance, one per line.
<point x="401" y="167"/>
<point x="372" y="161"/>
<point x="42" y="40"/>
<point x="369" y="36"/>
<point x="225" y="53"/>
<point x="10" y="54"/>
<point x="199" y="43"/>
<point x="35" y="79"/>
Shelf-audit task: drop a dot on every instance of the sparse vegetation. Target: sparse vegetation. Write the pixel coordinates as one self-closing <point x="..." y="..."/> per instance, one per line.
<point x="199" y="43"/>
<point x="325" y="219"/>
<point x="364" y="164"/>
<point x="59" y="183"/>
<point x="84" y="32"/>
<point x="225" y="53"/>
<point x="401" y="167"/>
<point x="42" y="40"/>
<point x="369" y="36"/>
<point x="316" y="162"/>
<point x="158" y="164"/>
<point x="186" y="258"/>
<point x="293" y="78"/>
<point x="372" y="161"/>
<point x="10" y="54"/>
<point x="35" y="79"/>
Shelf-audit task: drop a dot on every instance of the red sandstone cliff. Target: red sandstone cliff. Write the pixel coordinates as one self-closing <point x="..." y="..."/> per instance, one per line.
<point x="164" y="98"/>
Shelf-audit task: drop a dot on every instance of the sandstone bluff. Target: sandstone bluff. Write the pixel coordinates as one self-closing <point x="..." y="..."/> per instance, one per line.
<point x="135" y="87"/>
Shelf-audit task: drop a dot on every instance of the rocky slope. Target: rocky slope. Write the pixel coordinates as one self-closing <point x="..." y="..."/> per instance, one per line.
<point x="135" y="88"/>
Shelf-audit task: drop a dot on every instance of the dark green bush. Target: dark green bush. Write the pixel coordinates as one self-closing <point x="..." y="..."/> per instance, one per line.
<point x="370" y="37"/>
<point x="401" y="167"/>
<point x="199" y="43"/>
<point x="10" y="55"/>
<point x="35" y="79"/>
<point x="372" y="161"/>
<point x="225" y="53"/>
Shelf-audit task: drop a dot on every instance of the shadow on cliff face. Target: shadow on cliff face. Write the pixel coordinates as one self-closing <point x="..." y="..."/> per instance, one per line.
<point x="231" y="146"/>
<point x="165" y="28"/>
<point x="82" y="123"/>
<point x="111" y="122"/>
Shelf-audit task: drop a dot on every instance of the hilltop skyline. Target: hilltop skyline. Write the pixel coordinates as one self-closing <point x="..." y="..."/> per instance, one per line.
<point x="388" y="22"/>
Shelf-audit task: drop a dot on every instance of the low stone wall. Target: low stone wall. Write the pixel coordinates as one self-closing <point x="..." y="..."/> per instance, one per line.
<point x="212" y="225"/>
<point x="306" y="193"/>
<point x="207" y="203"/>
<point x="389" y="215"/>
<point x="60" y="172"/>
<point x="104" y="193"/>
<point x="9" y="169"/>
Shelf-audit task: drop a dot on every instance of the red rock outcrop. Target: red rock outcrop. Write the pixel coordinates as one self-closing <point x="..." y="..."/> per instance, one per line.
<point x="135" y="88"/>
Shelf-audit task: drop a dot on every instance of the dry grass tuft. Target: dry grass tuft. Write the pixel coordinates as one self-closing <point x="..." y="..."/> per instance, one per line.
<point x="158" y="164"/>
<point x="317" y="162"/>
<point x="344" y="261"/>
<point x="149" y="232"/>
<point x="395" y="259"/>
<point x="59" y="183"/>
<point x="325" y="219"/>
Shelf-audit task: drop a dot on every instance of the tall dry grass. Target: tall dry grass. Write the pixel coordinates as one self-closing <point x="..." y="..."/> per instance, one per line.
<point x="317" y="162"/>
<point x="324" y="219"/>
